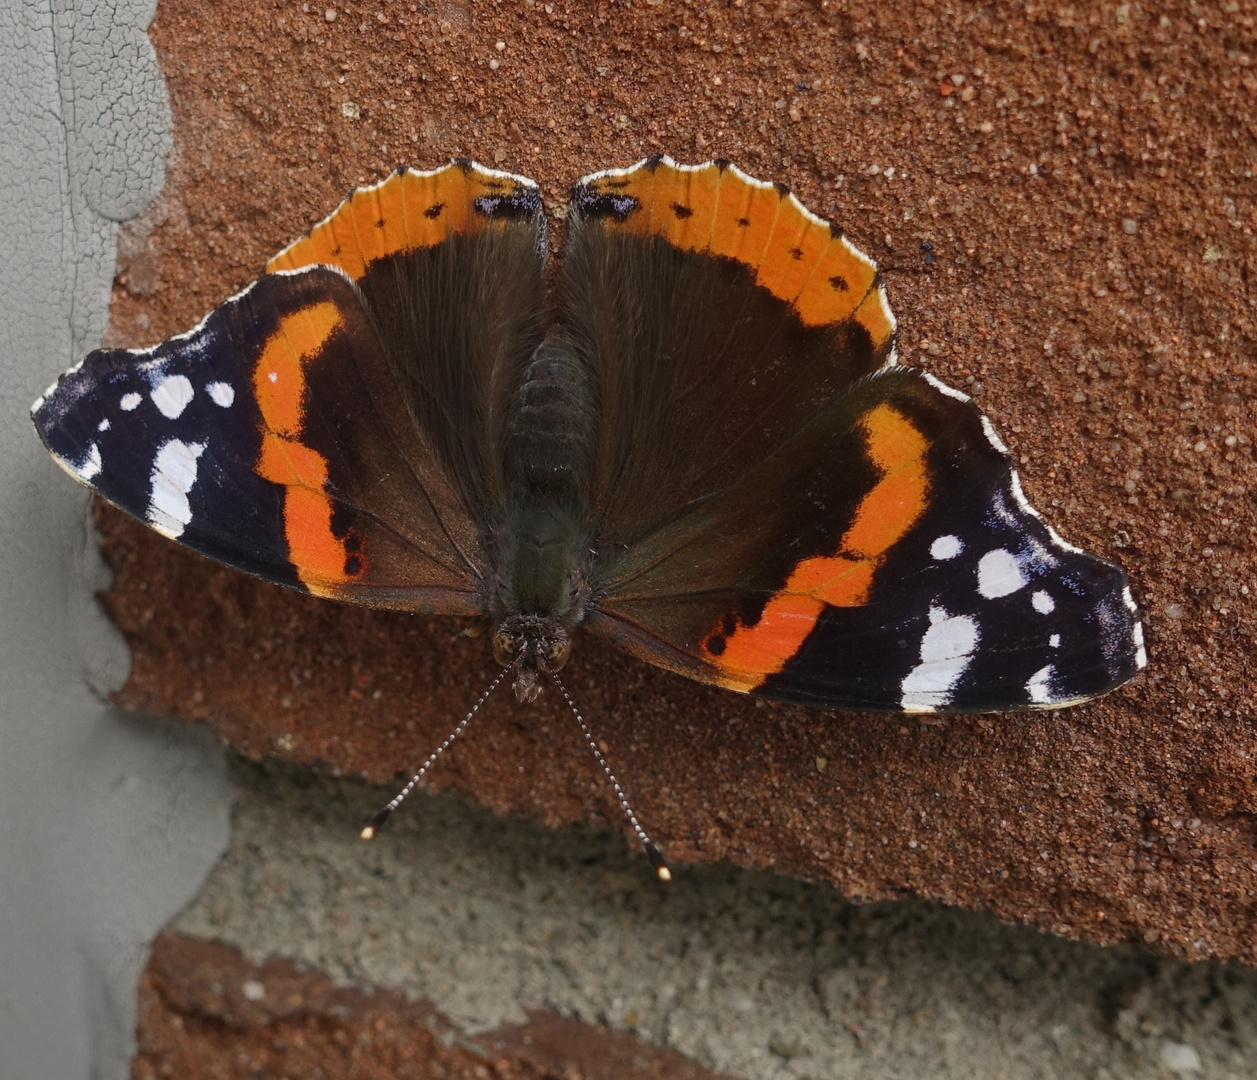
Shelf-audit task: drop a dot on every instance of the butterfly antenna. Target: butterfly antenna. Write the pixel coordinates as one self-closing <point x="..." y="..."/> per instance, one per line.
<point x="652" y="853"/>
<point x="377" y="823"/>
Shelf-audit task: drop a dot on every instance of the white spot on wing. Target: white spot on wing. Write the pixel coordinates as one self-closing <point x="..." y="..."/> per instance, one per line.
<point x="103" y="425"/>
<point x="1055" y="641"/>
<point x="947" y="547"/>
<point x="130" y="402"/>
<point x="1039" y="685"/>
<point x="999" y="574"/>
<point x="273" y="376"/>
<point x="946" y="650"/>
<point x="171" y="394"/>
<point x="221" y="394"/>
<point x="174" y="473"/>
<point x="89" y="468"/>
<point x="1043" y="603"/>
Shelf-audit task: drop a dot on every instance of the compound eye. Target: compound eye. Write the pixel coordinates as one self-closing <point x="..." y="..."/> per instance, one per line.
<point x="504" y="648"/>
<point x="557" y="653"/>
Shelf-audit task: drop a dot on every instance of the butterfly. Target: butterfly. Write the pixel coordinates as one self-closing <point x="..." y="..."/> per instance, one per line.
<point x="704" y="450"/>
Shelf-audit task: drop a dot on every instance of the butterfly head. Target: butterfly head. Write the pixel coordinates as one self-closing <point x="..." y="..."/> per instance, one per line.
<point x="531" y="644"/>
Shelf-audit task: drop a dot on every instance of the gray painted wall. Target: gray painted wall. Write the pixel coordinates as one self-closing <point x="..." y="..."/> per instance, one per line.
<point x="108" y="823"/>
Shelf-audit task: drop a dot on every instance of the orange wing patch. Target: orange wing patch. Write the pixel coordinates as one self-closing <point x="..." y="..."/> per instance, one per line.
<point x="408" y="211"/>
<point x="715" y="207"/>
<point x="279" y="383"/>
<point x="840" y="282"/>
<point x="321" y="558"/>
<point x="747" y="655"/>
<point x="874" y="315"/>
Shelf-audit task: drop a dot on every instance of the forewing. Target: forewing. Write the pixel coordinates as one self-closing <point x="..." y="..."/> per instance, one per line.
<point x="272" y="438"/>
<point x="331" y="428"/>
<point x="884" y="559"/>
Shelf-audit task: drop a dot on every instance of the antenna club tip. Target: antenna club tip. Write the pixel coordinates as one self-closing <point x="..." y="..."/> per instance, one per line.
<point x="373" y="826"/>
<point x="656" y="860"/>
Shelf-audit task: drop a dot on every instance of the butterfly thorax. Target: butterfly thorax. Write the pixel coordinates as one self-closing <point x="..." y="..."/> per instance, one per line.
<point x="542" y="536"/>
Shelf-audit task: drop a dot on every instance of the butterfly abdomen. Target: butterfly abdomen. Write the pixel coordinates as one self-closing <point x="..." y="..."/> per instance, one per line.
<point x="549" y="439"/>
<point x="542" y="538"/>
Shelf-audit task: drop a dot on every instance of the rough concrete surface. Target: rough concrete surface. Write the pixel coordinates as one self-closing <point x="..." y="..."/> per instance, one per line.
<point x="746" y="972"/>
<point x="1061" y="198"/>
<point x="108" y="821"/>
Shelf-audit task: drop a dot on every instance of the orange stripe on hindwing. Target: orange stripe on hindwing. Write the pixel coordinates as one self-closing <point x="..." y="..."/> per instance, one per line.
<point x="320" y="558"/>
<point x="747" y="655"/>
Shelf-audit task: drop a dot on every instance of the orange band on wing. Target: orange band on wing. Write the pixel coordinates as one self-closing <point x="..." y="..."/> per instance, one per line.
<point x="288" y="462"/>
<point x="320" y="558"/>
<point x="279" y="383"/>
<point x="750" y="654"/>
<point x="797" y="256"/>
<point x="888" y="511"/>
<point x="408" y="211"/>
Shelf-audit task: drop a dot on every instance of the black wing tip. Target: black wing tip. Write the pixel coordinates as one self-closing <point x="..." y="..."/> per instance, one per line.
<point x="97" y="368"/>
<point x="41" y="414"/>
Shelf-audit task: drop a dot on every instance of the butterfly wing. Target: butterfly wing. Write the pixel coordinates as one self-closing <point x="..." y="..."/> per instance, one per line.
<point x="715" y="310"/>
<point x="308" y="430"/>
<point x="803" y="518"/>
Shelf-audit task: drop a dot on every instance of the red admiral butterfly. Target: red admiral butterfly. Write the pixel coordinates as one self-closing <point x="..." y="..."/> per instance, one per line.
<point x="708" y="454"/>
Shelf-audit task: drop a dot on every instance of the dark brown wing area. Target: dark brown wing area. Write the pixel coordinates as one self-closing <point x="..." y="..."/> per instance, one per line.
<point x="450" y="263"/>
<point x="719" y="315"/>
